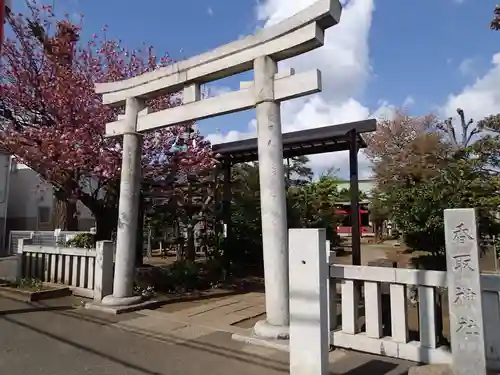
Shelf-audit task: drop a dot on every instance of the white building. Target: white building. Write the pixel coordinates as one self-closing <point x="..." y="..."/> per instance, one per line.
<point x="5" y="164"/>
<point x="27" y="202"/>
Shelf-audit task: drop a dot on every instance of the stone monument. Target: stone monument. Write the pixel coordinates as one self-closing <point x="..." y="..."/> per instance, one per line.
<point x="464" y="292"/>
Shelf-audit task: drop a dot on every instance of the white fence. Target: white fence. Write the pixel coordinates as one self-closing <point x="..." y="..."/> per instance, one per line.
<point x="43" y="238"/>
<point x="88" y="272"/>
<point x="397" y="344"/>
<point x="314" y="297"/>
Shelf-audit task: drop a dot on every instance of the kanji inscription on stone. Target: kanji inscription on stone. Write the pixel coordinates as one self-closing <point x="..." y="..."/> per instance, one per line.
<point x="464" y="291"/>
<point x="461" y="233"/>
<point x="468" y="326"/>
<point x="462" y="262"/>
<point x="463" y="294"/>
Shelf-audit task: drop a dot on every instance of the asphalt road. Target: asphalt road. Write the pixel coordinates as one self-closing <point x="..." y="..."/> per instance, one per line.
<point x="62" y="341"/>
<point x="59" y="337"/>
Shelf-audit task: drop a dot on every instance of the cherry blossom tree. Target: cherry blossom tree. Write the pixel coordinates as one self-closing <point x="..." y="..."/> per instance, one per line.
<point x="405" y="148"/>
<point x="54" y="122"/>
<point x="495" y="22"/>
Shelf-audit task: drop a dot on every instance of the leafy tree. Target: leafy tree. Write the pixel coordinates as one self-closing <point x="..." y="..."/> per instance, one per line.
<point x="345" y="195"/>
<point x="244" y="246"/>
<point x="313" y="205"/>
<point x="380" y="211"/>
<point x="490" y="124"/>
<point x="405" y="149"/>
<point x="54" y="122"/>
<point x="495" y="23"/>
<point x="419" y="207"/>
<point x="310" y="204"/>
<point x="487" y="148"/>
<point x="297" y="172"/>
<point x="432" y="168"/>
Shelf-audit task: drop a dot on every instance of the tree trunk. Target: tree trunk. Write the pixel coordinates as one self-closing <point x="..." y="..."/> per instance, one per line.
<point x="379" y="235"/>
<point x="64" y="214"/>
<point x="106" y="224"/>
<point x="190" y="247"/>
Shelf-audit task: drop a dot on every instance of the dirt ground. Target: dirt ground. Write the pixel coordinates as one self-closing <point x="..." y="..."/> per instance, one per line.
<point x="370" y="251"/>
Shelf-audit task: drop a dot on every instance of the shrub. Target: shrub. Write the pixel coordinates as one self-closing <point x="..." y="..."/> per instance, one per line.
<point x="83" y="240"/>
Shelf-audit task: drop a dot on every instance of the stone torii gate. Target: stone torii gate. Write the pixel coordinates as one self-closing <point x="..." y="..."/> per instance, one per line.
<point x="298" y="34"/>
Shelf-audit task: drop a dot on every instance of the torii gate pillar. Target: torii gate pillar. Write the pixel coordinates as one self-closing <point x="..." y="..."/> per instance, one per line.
<point x="272" y="202"/>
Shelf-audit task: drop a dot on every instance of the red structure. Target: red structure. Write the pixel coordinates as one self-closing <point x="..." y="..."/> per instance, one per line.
<point x="343" y="214"/>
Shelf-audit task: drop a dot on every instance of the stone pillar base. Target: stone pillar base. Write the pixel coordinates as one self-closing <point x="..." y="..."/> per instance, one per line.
<point x="121" y="301"/>
<point x="265" y="330"/>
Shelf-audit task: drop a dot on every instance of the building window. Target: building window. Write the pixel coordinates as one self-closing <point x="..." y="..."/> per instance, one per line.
<point x="43" y="215"/>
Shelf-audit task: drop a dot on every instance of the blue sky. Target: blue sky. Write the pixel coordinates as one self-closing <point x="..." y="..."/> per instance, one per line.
<point x="426" y="55"/>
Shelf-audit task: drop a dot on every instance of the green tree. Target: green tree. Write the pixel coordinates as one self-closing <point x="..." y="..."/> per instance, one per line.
<point x="245" y="246"/>
<point x="297" y="172"/>
<point x="310" y="204"/>
<point x="380" y="211"/>
<point x="345" y="195"/>
<point x="313" y="205"/>
<point x="418" y="208"/>
<point x="423" y="167"/>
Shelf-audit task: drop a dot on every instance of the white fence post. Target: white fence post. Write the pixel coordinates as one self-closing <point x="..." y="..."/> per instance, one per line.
<point x="464" y="292"/>
<point x="103" y="276"/>
<point x="309" y="334"/>
<point x="20" y="245"/>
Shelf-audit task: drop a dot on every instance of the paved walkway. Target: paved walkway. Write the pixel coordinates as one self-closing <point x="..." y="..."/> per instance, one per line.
<point x="60" y="337"/>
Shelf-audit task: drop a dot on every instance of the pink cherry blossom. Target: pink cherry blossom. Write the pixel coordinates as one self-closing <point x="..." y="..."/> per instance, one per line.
<point x="54" y="122"/>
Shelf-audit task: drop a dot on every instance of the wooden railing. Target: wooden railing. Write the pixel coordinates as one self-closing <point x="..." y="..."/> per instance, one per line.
<point x="88" y="272"/>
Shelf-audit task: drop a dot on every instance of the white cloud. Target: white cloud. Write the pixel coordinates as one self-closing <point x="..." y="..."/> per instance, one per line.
<point x="210" y="11"/>
<point x="480" y="99"/>
<point x="468" y="67"/>
<point x="409" y="101"/>
<point x="345" y="66"/>
<point x="216" y="90"/>
<point x="385" y="111"/>
<point x="231" y="136"/>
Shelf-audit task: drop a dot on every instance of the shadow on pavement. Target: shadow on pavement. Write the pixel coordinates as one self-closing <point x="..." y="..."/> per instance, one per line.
<point x="223" y="352"/>
<point x="81" y="347"/>
<point x="370" y="367"/>
<point x="35" y="309"/>
<point x="373" y="367"/>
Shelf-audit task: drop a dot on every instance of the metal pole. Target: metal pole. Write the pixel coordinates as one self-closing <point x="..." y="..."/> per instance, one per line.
<point x="354" y="188"/>
<point x="495" y="253"/>
<point x="287" y="173"/>
<point x="226" y="214"/>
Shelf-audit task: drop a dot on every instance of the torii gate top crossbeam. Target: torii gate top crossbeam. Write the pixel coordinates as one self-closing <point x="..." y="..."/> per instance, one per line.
<point x="293" y="36"/>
